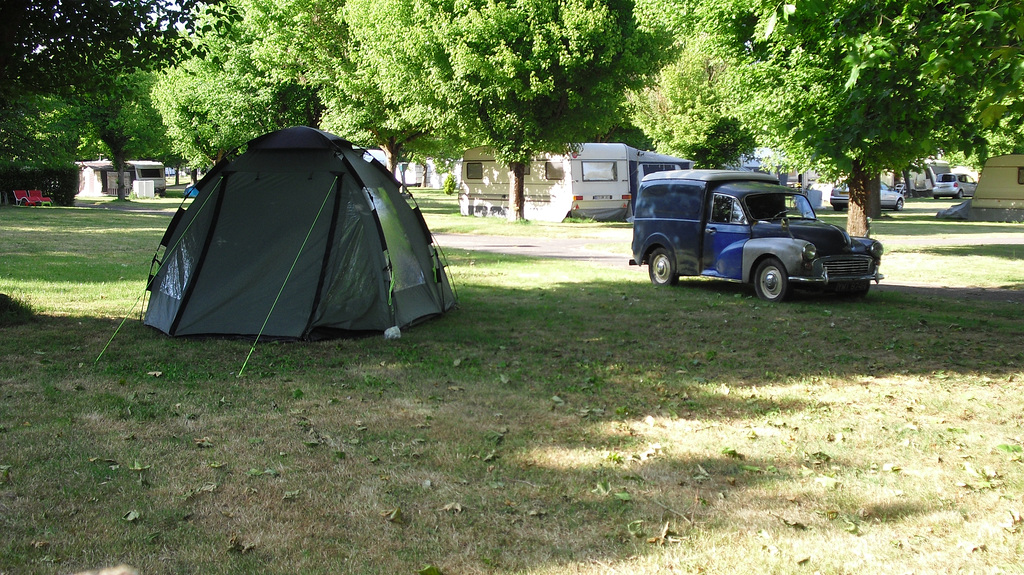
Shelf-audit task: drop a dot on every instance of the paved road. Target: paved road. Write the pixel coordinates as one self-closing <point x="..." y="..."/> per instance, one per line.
<point x="592" y="250"/>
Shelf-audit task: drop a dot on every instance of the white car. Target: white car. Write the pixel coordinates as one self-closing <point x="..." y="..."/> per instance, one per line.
<point x="954" y="186"/>
<point x="891" y="199"/>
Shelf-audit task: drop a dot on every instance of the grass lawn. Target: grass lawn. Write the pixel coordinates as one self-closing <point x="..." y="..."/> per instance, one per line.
<point x="565" y="419"/>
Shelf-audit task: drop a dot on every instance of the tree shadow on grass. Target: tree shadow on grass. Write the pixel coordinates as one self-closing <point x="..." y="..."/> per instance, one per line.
<point x="661" y="424"/>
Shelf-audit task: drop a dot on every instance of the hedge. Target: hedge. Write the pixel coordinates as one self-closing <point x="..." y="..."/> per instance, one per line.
<point x="60" y="184"/>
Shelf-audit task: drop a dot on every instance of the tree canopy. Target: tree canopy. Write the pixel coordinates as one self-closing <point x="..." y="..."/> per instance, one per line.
<point x="823" y="110"/>
<point x="532" y="76"/>
<point x="366" y="56"/>
<point x="240" y="87"/>
<point x="48" y="46"/>
<point x="688" y="111"/>
<point x="847" y="88"/>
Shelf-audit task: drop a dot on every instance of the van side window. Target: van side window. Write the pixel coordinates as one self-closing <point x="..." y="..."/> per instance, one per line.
<point x="474" y="170"/>
<point x="655" y="168"/>
<point x="1020" y="175"/>
<point x="553" y="171"/>
<point x="726" y="210"/>
<point x="599" y="171"/>
<point x="673" y="201"/>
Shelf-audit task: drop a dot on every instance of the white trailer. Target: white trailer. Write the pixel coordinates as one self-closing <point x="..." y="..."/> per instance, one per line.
<point x="598" y="182"/>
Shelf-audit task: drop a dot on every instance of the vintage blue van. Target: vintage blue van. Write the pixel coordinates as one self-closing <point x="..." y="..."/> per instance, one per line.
<point x="744" y="227"/>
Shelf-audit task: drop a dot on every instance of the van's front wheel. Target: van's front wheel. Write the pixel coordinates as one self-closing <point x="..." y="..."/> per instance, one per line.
<point x="771" y="281"/>
<point x="662" y="268"/>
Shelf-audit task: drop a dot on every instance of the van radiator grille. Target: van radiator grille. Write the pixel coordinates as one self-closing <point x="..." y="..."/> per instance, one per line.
<point x="848" y="266"/>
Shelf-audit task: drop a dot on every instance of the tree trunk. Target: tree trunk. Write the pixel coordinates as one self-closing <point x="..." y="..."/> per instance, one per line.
<point x="392" y="154"/>
<point x="865" y="199"/>
<point x="119" y="168"/>
<point x="516" y="192"/>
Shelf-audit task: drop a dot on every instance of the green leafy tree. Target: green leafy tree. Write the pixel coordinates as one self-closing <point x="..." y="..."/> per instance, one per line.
<point x="687" y="112"/>
<point x="245" y="84"/>
<point x="123" y="118"/>
<point x="822" y="109"/>
<point x="978" y="44"/>
<point x="976" y="47"/>
<point x="64" y="56"/>
<point x="535" y="75"/>
<point x="49" y="46"/>
<point x="366" y="58"/>
<point x="39" y="130"/>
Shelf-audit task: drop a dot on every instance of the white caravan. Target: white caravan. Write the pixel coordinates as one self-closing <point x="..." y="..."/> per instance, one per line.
<point x="142" y="178"/>
<point x="598" y="182"/>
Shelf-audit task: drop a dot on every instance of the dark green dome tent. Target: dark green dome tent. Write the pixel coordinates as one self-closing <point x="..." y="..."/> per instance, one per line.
<point x="303" y="236"/>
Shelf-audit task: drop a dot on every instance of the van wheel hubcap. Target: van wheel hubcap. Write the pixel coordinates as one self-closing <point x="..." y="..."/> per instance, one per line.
<point x="661" y="268"/>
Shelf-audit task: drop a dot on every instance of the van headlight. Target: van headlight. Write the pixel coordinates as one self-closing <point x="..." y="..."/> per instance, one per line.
<point x="810" y="252"/>
<point x="877" y="250"/>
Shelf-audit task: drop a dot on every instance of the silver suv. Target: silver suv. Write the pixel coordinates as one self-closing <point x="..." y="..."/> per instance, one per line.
<point x="954" y="186"/>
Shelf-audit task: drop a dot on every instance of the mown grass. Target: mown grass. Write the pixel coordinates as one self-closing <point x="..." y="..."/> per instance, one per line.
<point x="565" y="419"/>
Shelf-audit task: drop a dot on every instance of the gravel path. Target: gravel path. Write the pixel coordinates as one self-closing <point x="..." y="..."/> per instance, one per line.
<point x="603" y="252"/>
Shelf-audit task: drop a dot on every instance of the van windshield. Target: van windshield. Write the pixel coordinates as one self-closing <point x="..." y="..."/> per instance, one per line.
<point x="777" y="205"/>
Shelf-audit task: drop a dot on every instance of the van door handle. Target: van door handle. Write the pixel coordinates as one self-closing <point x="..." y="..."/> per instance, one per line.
<point x="712" y="230"/>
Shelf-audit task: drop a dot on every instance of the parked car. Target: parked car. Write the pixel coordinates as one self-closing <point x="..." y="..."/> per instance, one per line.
<point x="954" y="186"/>
<point x="891" y="199"/>
<point x="744" y="227"/>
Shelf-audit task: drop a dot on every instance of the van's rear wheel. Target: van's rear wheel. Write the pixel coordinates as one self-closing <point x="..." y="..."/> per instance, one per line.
<point x="771" y="281"/>
<point x="662" y="267"/>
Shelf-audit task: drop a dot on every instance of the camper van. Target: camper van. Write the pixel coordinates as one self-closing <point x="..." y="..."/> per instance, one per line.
<point x="1000" y="193"/>
<point x="142" y="178"/>
<point x="598" y="182"/>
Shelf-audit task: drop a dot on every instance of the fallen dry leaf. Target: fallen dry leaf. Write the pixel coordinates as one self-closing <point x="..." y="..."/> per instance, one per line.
<point x="236" y="545"/>
<point x="394" y="516"/>
<point x="453" y="508"/>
